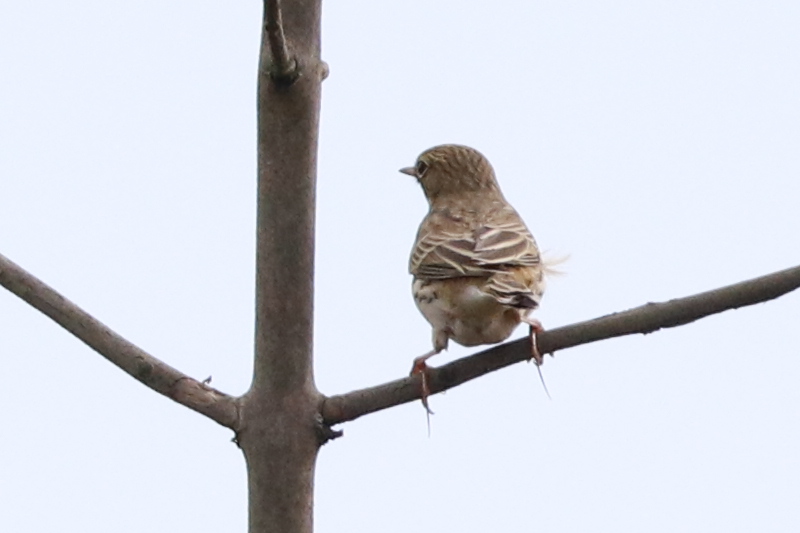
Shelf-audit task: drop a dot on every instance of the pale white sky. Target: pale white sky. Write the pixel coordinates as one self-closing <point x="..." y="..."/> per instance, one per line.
<point x="655" y="142"/>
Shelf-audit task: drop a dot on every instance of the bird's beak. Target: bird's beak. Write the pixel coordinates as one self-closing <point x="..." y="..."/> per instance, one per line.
<point x="411" y="171"/>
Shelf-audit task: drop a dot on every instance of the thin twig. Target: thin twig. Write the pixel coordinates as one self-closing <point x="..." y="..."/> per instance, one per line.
<point x="144" y="367"/>
<point x="645" y="319"/>
<point x="283" y="67"/>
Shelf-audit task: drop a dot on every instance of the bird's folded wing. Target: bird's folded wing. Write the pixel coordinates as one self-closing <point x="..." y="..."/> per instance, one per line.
<point x="442" y="254"/>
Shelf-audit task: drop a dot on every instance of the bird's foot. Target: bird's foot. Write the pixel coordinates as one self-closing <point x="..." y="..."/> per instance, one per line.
<point x="536" y="328"/>
<point x="421" y="368"/>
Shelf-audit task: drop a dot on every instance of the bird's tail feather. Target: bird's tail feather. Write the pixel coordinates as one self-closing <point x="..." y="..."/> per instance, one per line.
<point x="504" y="288"/>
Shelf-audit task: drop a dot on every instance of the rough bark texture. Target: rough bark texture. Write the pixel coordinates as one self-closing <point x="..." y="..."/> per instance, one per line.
<point x="278" y="433"/>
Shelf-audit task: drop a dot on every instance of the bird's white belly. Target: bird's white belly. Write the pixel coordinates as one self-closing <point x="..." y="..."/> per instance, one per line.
<point x="468" y="316"/>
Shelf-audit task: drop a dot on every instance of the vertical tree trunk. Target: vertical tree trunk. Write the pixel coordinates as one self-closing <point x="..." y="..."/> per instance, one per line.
<point x="278" y="434"/>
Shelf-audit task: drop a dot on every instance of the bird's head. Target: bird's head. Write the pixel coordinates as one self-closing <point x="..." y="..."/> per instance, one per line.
<point x="453" y="171"/>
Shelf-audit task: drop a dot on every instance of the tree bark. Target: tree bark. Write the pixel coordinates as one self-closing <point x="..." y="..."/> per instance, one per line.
<point x="278" y="426"/>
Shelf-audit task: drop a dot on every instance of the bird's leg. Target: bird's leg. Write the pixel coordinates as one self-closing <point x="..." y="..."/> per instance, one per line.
<point x="441" y="336"/>
<point x="421" y="367"/>
<point x="536" y="328"/>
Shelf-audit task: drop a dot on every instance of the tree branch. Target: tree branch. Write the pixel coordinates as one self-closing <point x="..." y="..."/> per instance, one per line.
<point x="280" y="437"/>
<point x="144" y="367"/>
<point x="283" y="68"/>
<point x="645" y="319"/>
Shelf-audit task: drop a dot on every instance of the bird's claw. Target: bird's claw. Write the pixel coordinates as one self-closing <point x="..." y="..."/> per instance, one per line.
<point x="536" y="356"/>
<point x="536" y="328"/>
<point x="421" y="368"/>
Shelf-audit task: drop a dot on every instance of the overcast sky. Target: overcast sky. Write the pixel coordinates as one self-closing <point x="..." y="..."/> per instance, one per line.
<point x="656" y="143"/>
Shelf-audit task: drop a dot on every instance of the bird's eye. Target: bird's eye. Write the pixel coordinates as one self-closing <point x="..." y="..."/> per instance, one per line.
<point x="422" y="166"/>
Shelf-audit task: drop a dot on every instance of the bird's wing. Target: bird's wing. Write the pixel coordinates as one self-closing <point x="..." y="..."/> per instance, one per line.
<point x="497" y="243"/>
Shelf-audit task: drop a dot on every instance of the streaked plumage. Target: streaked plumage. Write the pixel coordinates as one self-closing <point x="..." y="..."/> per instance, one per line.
<point x="477" y="270"/>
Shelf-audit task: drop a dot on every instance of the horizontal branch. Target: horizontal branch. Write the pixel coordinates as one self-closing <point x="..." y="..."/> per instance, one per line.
<point x="645" y="319"/>
<point x="144" y="367"/>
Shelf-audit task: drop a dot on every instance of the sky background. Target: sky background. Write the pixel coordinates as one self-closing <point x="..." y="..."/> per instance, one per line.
<point x="656" y="143"/>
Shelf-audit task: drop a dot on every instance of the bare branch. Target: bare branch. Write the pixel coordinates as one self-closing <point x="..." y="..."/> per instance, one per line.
<point x="281" y="434"/>
<point x="144" y="367"/>
<point x="288" y="119"/>
<point x="283" y="68"/>
<point x="645" y="319"/>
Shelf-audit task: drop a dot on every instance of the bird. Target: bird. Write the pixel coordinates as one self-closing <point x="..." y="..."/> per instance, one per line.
<point x="477" y="271"/>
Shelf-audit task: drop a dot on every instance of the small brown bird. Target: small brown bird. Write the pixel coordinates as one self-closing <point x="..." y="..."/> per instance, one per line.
<point x="476" y="267"/>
